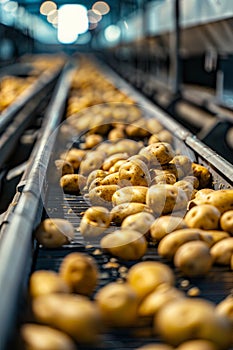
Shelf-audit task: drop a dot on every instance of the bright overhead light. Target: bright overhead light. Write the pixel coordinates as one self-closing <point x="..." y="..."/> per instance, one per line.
<point x="101" y="7"/>
<point x="94" y="16"/>
<point x="72" y="20"/>
<point x="112" y="33"/>
<point x="46" y="7"/>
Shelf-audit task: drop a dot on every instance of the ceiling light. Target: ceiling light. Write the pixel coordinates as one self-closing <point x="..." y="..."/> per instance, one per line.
<point x="94" y="16"/>
<point x="72" y="20"/>
<point x="46" y="7"/>
<point x="112" y="33"/>
<point x="102" y="7"/>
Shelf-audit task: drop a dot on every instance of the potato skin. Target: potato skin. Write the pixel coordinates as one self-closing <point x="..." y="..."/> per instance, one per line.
<point x="40" y="337"/>
<point x="146" y="276"/>
<point x="198" y="344"/>
<point x="73" y="156"/>
<point x="221" y="199"/>
<point x="118" y="304"/>
<point x="136" y="194"/>
<point x="46" y="282"/>
<point x="134" y="173"/>
<point x="63" y="167"/>
<point x="54" y="232"/>
<point x="121" y="211"/>
<point x="158" y="153"/>
<point x="183" y="165"/>
<point x="205" y="216"/>
<point x="169" y="244"/>
<point x="72" y="183"/>
<point x="226" y="221"/>
<point x="163" y="199"/>
<point x="222" y="251"/>
<point x="140" y="222"/>
<point x="165" y="225"/>
<point x="80" y="273"/>
<point x="125" y="244"/>
<point x="193" y="258"/>
<point x="102" y="195"/>
<point x="202" y="173"/>
<point x="95" y="221"/>
<point x="98" y="173"/>
<point x="156" y="346"/>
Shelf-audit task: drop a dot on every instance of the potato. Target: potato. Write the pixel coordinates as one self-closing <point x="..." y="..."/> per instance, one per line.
<point x="102" y="195"/>
<point x="111" y="160"/>
<point x="193" y="180"/>
<point x="226" y="221"/>
<point x="198" y="344"/>
<point x="140" y="222"/>
<point x="63" y="167"/>
<point x="80" y="272"/>
<point x="111" y="179"/>
<point x="155" y="346"/>
<point x="183" y="165"/>
<point x="154" y="139"/>
<point x="163" y="199"/>
<point x="91" y="141"/>
<point x="136" y="194"/>
<point x="95" y="183"/>
<point x="165" y="136"/>
<point x="213" y="236"/>
<point x="134" y="173"/>
<point x="118" y="304"/>
<point x="125" y="244"/>
<point x="164" y="178"/>
<point x="72" y="183"/>
<point x="164" y="225"/>
<point x="39" y="337"/>
<point x="203" y="216"/>
<point x="202" y="173"/>
<point x="116" y="134"/>
<point x="92" y="161"/>
<point x="146" y="276"/>
<point x="221" y="199"/>
<point x="98" y="173"/>
<point x="139" y="157"/>
<point x="154" y="301"/>
<point x="95" y="221"/>
<point x="188" y="319"/>
<point x="222" y="251"/>
<point x="46" y="282"/>
<point x="73" y="314"/>
<point x="225" y="308"/>
<point x="187" y="187"/>
<point x="153" y="125"/>
<point x="199" y="197"/>
<point x="125" y="146"/>
<point x="115" y="168"/>
<point x="73" y="156"/>
<point x="138" y="129"/>
<point x="54" y="232"/>
<point x="121" y="211"/>
<point x="158" y="153"/>
<point x="169" y="244"/>
<point x="193" y="258"/>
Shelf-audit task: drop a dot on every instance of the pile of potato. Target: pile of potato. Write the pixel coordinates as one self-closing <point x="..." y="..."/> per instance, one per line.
<point x="141" y="191"/>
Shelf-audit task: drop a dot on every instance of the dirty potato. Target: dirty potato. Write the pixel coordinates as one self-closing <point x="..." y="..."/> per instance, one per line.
<point x="164" y="225"/>
<point x="136" y="194"/>
<point x="204" y="216"/>
<point x="222" y="251"/>
<point x="46" y="282"/>
<point x="95" y="221"/>
<point x="226" y="221"/>
<point x="140" y="222"/>
<point x="134" y="173"/>
<point x="121" y="211"/>
<point x="102" y="195"/>
<point x="72" y="183"/>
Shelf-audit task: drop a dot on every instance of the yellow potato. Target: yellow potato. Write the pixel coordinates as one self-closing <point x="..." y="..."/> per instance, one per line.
<point x="95" y="221"/>
<point x="226" y="221"/>
<point x="111" y="179"/>
<point x="221" y="199"/>
<point x="169" y="244"/>
<point x="158" y="153"/>
<point x="145" y="276"/>
<point x="183" y="165"/>
<point x="91" y="141"/>
<point x="222" y="251"/>
<point x="54" y="232"/>
<point x="102" y="195"/>
<point x="203" y="216"/>
<point x="164" y="178"/>
<point x="125" y="146"/>
<point x="187" y="187"/>
<point x="154" y="301"/>
<point x="134" y="173"/>
<point x="64" y="167"/>
<point x="164" y="225"/>
<point x="163" y="199"/>
<point x="203" y="175"/>
<point x="225" y="308"/>
<point x="72" y="183"/>
<point x="46" y="282"/>
<point x="39" y="337"/>
<point x="198" y="344"/>
<point x="121" y="211"/>
<point x="136" y="194"/>
<point x="98" y="173"/>
<point x="138" y="129"/>
<point x="125" y="244"/>
<point x="213" y="236"/>
<point x="118" y="304"/>
<point x="80" y="273"/>
<point x="111" y="160"/>
<point x="116" y="134"/>
<point x="155" y="346"/>
<point x="73" y="314"/>
<point x="93" y="160"/>
<point x="193" y="258"/>
<point x="189" y="319"/>
<point x="140" y="222"/>
<point x="193" y="180"/>
<point x="115" y="168"/>
<point x="73" y="156"/>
